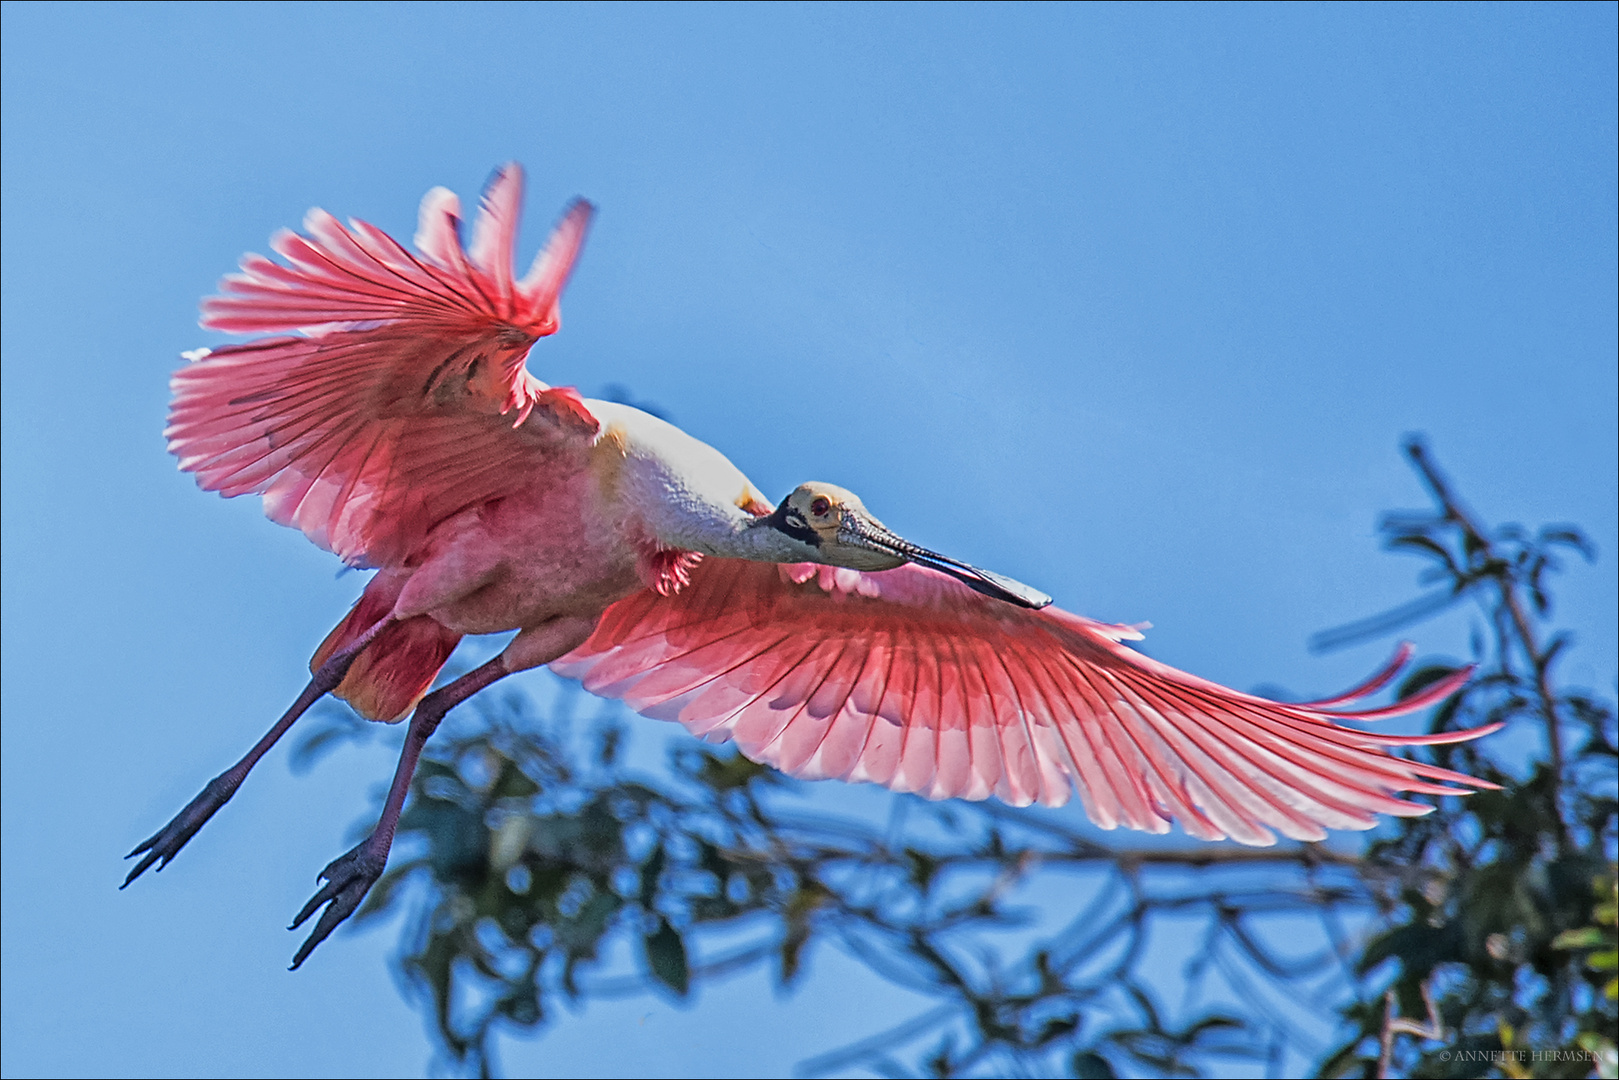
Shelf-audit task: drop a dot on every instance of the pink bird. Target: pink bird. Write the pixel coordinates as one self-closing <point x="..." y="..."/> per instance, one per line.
<point x="392" y="420"/>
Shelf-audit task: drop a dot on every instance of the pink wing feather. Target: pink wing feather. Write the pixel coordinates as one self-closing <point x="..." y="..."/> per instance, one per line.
<point x="389" y="401"/>
<point x="908" y="679"/>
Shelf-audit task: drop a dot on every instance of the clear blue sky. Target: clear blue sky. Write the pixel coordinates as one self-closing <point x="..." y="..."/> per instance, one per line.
<point x="1131" y="303"/>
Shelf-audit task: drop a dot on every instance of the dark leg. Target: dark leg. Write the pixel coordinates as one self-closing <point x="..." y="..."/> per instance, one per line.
<point x="166" y="844"/>
<point x="349" y="877"/>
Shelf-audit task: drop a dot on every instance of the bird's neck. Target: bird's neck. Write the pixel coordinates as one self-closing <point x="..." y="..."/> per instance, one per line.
<point x="743" y="539"/>
<point x="684" y="521"/>
<point x="722" y="531"/>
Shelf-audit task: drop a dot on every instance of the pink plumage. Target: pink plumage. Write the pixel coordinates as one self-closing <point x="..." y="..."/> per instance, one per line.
<point x="392" y="419"/>
<point x="909" y="679"/>
<point x="394" y="406"/>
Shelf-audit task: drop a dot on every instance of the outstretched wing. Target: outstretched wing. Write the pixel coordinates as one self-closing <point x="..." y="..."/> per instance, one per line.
<point x="396" y="393"/>
<point x="908" y="679"/>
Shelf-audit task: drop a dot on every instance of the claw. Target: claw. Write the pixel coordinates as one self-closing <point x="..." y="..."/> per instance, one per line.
<point x="348" y="878"/>
<point x="167" y="842"/>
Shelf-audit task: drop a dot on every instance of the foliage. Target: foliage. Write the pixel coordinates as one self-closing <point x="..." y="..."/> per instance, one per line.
<point x="549" y="872"/>
<point x="1487" y="903"/>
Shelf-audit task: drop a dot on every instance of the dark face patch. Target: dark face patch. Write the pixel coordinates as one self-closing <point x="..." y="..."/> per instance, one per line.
<point x="791" y="522"/>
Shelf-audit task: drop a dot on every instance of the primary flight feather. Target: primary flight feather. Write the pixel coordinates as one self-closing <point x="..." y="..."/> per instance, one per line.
<point x="392" y="419"/>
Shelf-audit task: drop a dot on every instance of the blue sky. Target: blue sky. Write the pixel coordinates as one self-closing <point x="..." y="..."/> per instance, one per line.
<point x="1131" y="303"/>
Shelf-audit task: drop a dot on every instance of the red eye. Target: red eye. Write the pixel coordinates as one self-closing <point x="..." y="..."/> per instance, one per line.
<point x="820" y="506"/>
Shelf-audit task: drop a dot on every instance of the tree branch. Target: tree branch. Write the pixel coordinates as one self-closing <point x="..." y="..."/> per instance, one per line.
<point x="1539" y="660"/>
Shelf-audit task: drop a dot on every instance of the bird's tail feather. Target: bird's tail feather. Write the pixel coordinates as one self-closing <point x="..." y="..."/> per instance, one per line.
<point x="387" y="680"/>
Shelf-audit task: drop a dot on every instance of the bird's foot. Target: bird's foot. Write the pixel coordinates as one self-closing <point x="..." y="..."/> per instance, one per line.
<point x="348" y="878"/>
<point x="168" y="841"/>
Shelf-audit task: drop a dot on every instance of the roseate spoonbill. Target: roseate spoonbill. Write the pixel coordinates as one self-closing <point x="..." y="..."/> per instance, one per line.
<point x="392" y="419"/>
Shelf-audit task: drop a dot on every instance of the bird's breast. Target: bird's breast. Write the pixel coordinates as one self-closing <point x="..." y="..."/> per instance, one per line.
<point x="555" y="549"/>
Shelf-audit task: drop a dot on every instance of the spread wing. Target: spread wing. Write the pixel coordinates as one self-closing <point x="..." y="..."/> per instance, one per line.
<point x="908" y="679"/>
<point x="395" y="393"/>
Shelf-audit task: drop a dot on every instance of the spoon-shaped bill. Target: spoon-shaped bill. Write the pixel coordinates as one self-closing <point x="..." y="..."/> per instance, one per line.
<point x="872" y="534"/>
<point x="987" y="582"/>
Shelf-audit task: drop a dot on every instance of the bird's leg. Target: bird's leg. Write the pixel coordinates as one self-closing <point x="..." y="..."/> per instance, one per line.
<point x="168" y="841"/>
<point x="350" y="876"/>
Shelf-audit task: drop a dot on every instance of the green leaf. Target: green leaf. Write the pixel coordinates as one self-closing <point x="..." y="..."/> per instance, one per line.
<point x="651" y="870"/>
<point x="1569" y="536"/>
<point x="1214" y="1023"/>
<point x="799" y="917"/>
<point x="1422" y="544"/>
<point x="666" y="958"/>
<point x="1586" y="937"/>
<point x="1089" y="1065"/>
<point x="792" y="949"/>
<point x="1055" y="1029"/>
<point x="522" y="1004"/>
<point x="734" y="771"/>
<point x="513" y="783"/>
<point x="509" y="842"/>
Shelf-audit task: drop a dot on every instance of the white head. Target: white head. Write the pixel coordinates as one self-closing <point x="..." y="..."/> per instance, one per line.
<point x="829" y="524"/>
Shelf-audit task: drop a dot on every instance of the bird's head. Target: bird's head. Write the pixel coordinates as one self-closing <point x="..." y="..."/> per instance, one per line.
<point x="832" y="526"/>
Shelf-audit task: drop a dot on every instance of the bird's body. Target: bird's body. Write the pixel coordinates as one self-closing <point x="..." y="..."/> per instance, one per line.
<point x="579" y="535"/>
<point x="628" y="511"/>
<point x="394" y="422"/>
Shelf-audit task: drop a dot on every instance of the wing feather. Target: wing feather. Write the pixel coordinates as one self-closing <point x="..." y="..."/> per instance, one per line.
<point x="908" y="679"/>
<point x="401" y="396"/>
<point x="712" y="707"/>
<point x="1019" y="782"/>
<point x="1051" y="761"/>
<point x="879" y="762"/>
<point x="919" y="762"/>
<point x="952" y="753"/>
<point x="1083" y="772"/>
<point x="757" y="723"/>
<point x="1167" y="776"/>
<point x="1222" y="784"/>
<point x="1092" y="732"/>
<point x="994" y="723"/>
<point x="843" y="726"/>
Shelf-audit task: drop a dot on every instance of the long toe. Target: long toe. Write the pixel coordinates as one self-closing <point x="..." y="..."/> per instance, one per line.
<point x="166" y="843"/>
<point x="348" y="878"/>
